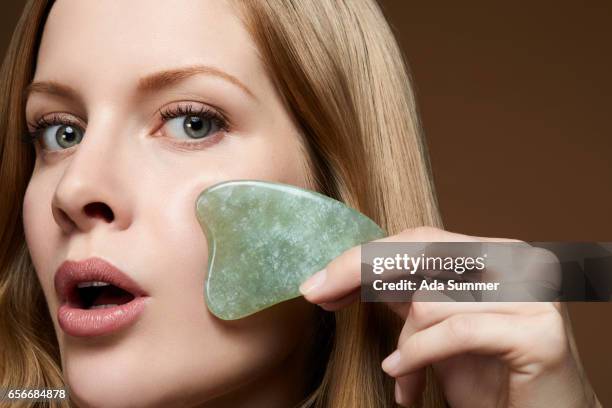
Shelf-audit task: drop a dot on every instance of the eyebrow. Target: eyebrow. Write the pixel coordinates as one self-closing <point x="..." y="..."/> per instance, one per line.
<point x="163" y="79"/>
<point x="52" y="88"/>
<point x="149" y="83"/>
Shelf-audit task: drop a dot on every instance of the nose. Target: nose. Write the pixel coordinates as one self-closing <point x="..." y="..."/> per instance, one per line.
<point x="90" y="191"/>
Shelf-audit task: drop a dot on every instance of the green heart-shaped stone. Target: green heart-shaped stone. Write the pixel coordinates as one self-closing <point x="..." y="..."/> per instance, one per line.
<point x="265" y="239"/>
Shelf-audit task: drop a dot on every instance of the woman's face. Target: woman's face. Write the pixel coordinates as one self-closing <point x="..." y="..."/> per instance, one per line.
<point x="173" y="99"/>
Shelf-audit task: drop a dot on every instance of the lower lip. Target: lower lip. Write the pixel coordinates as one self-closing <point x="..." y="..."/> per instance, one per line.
<point x="99" y="322"/>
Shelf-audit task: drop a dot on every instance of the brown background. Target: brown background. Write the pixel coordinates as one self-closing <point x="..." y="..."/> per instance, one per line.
<point x="514" y="102"/>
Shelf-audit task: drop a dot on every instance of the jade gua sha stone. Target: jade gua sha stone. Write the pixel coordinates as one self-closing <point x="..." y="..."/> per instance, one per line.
<point x="265" y="239"/>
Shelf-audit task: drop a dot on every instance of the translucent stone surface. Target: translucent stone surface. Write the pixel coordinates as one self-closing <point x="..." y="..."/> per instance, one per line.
<point x="265" y="239"/>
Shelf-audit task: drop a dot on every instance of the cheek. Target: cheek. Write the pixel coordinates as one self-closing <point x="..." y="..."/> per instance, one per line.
<point x="277" y="156"/>
<point x="40" y="230"/>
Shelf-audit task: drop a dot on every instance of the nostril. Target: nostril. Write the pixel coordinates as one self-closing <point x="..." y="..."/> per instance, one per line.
<point x="63" y="219"/>
<point x="99" y="210"/>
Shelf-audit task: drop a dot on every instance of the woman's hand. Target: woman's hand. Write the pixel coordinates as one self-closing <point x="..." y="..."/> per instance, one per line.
<point x="495" y="354"/>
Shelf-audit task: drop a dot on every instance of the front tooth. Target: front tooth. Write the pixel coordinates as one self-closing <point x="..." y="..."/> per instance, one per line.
<point x="103" y="306"/>
<point x="93" y="283"/>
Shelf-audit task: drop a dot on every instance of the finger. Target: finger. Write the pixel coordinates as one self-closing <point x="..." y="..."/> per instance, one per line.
<point x="434" y="234"/>
<point x="341" y="277"/>
<point x="488" y="334"/>
<point x="498" y="239"/>
<point x="408" y="388"/>
<point x="399" y="308"/>
<point x="343" y="274"/>
<point x="341" y="303"/>
<point x="425" y="314"/>
<point x="402" y="309"/>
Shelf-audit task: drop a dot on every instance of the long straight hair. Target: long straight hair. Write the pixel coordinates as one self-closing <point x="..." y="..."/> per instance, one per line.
<point x="29" y="355"/>
<point x="344" y="81"/>
<point x="343" y="78"/>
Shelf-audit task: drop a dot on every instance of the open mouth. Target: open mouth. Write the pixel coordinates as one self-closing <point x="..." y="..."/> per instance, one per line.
<point x="98" y="295"/>
<point x="96" y="298"/>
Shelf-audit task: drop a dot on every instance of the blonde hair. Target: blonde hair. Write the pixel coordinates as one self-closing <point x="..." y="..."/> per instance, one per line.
<point x="340" y="72"/>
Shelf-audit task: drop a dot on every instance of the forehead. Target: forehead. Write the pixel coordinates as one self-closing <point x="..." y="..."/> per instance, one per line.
<point x="92" y="41"/>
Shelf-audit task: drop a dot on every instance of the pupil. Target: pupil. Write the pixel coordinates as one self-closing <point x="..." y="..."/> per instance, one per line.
<point x="195" y="123"/>
<point x="196" y="127"/>
<point x="68" y="134"/>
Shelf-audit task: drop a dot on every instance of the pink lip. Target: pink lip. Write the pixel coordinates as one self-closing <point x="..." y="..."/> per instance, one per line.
<point x="95" y="322"/>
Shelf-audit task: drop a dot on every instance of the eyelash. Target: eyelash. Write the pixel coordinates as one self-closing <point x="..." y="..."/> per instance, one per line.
<point x="202" y="111"/>
<point x="166" y="114"/>
<point x="44" y="122"/>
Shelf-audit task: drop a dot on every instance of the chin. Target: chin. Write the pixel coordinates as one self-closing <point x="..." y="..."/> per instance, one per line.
<point x="124" y="377"/>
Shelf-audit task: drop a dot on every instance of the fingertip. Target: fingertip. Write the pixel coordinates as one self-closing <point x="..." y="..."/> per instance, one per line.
<point x="391" y="363"/>
<point x="312" y="285"/>
<point x="409" y="387"/>
<point x="399" y="398"/>
<point x="328" y="307"/>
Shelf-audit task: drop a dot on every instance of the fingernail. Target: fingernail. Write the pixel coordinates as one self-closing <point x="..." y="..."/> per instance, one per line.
<point x="314" y="282"/>
<point x="390" y="363"/>
<point x="398" y="393"/>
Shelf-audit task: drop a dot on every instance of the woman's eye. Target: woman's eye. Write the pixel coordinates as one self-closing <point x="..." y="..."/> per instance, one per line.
<point x="191" y="127"/>
<point x="59" y="137"/>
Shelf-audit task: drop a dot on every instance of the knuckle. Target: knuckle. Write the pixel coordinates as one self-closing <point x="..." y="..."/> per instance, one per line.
<point x="425" y="233"/>
<point x="411" y="344"/>
<point x="419" y="311"/>
<point x="544" y="255"/>
<point x="557" y="306"/>
<point x="461" y="328"/>
<point x="552" y="340"/>
<point x="427" y="229"/>
<point x="344" y="261"/>
<point x="550" y="307"/>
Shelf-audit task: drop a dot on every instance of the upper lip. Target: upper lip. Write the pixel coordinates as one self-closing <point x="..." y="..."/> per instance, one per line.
<point x="71" y="273"/>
